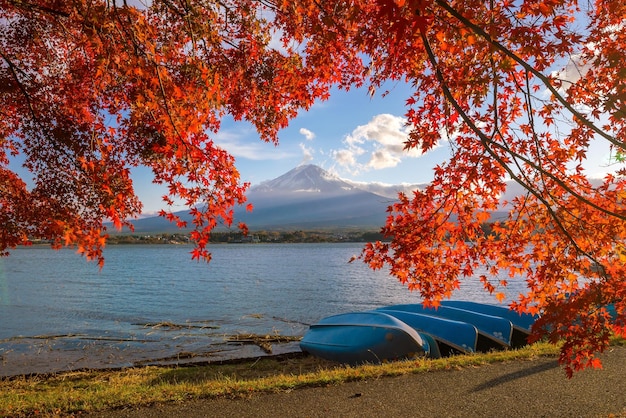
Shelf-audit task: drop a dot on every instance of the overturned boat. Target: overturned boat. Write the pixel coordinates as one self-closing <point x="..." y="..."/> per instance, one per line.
<point x="452" y="337"/>
<point x="365" y="337"/>
<point x="409" y="330"/>
<point x="522" y="322"/>
<point x="456" y="326"/>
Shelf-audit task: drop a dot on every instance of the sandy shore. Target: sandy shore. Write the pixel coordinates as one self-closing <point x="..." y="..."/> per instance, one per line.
<point x="530" y="388"/>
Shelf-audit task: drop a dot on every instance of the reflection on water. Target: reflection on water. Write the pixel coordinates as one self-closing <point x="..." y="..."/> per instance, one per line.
<point x="152" y="302"/>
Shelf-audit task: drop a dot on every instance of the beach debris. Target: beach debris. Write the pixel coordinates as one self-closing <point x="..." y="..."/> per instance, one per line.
<point x="289" y="321"/>
<point x="264" y="342"/>
<point x="174" y="326"/>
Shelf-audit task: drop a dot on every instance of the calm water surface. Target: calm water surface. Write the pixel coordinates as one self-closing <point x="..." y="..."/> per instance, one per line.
<point x="152" y="304"/>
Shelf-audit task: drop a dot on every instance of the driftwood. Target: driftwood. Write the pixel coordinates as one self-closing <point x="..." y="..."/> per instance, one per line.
<point x="263" y="341"/>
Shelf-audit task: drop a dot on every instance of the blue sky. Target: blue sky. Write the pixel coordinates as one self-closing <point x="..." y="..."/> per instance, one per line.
<point x="352" y="135"/>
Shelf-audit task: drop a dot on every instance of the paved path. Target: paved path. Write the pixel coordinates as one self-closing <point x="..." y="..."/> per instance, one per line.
<point x="535" y="388"/>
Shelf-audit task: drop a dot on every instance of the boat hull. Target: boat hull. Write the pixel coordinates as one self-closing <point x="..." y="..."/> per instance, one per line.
<point x="410" y="330"/>
<point x="363" y="337"/>
<point x="460" y="336"/>
<point x="522" y="323"/>
<point x="494" y="332"/>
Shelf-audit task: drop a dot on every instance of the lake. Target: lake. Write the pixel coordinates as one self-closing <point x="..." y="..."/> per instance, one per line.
<point x="151" y="304"/>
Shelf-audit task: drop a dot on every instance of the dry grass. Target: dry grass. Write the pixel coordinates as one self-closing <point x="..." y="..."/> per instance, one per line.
<point x="75" y="392"/>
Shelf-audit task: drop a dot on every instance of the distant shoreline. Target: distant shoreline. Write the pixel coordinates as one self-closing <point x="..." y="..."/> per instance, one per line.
<point x="259" y="237"/>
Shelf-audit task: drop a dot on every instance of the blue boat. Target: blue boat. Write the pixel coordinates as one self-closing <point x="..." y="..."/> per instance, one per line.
<point x="453" y="337"/>
<point x="522" y="323"/>
<point x="494" y="332"/>
<point x="364" y="337"/>
<point x="405" y="331"/>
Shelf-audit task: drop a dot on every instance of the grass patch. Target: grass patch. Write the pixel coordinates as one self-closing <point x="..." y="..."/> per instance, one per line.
<point x="88" y="391"/>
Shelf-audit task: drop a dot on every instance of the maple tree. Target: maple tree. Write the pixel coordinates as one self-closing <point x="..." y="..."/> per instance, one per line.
<point x="90" y="89"/>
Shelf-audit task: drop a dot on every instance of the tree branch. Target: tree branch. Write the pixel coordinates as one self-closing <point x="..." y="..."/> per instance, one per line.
<point x="486" y="144"/>
<point x="38" y="7"/>
<point x="545" y="80"/>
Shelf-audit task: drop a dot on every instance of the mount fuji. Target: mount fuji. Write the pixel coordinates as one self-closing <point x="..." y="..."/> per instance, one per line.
<point x="310" y="197"/>
<point x="302" y="180"/>
<point x="306" y="197"/>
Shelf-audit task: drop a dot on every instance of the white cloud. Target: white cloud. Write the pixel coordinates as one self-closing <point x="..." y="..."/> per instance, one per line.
<point x="344" y="157"/>
<point x="382" y="139"/>
<point x="307" y="153"/>
<point x="383" y="159"/>
<point x="573" y="71"/>
<point x="243" y="144"/>
<point x="307" y="134"/>
<point x="385" y="189"/>
<point x="139" y="4"/>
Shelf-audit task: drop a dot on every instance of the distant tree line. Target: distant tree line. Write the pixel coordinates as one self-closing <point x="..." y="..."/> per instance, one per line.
<point x="263" y="236"/>
<point x="297" y="236"/>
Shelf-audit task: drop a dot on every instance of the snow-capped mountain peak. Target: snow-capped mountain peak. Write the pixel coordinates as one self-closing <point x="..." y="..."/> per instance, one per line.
<point x="305" y="179"/>
<point x="311" y="179"/>
<point x="305" y="197"/>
